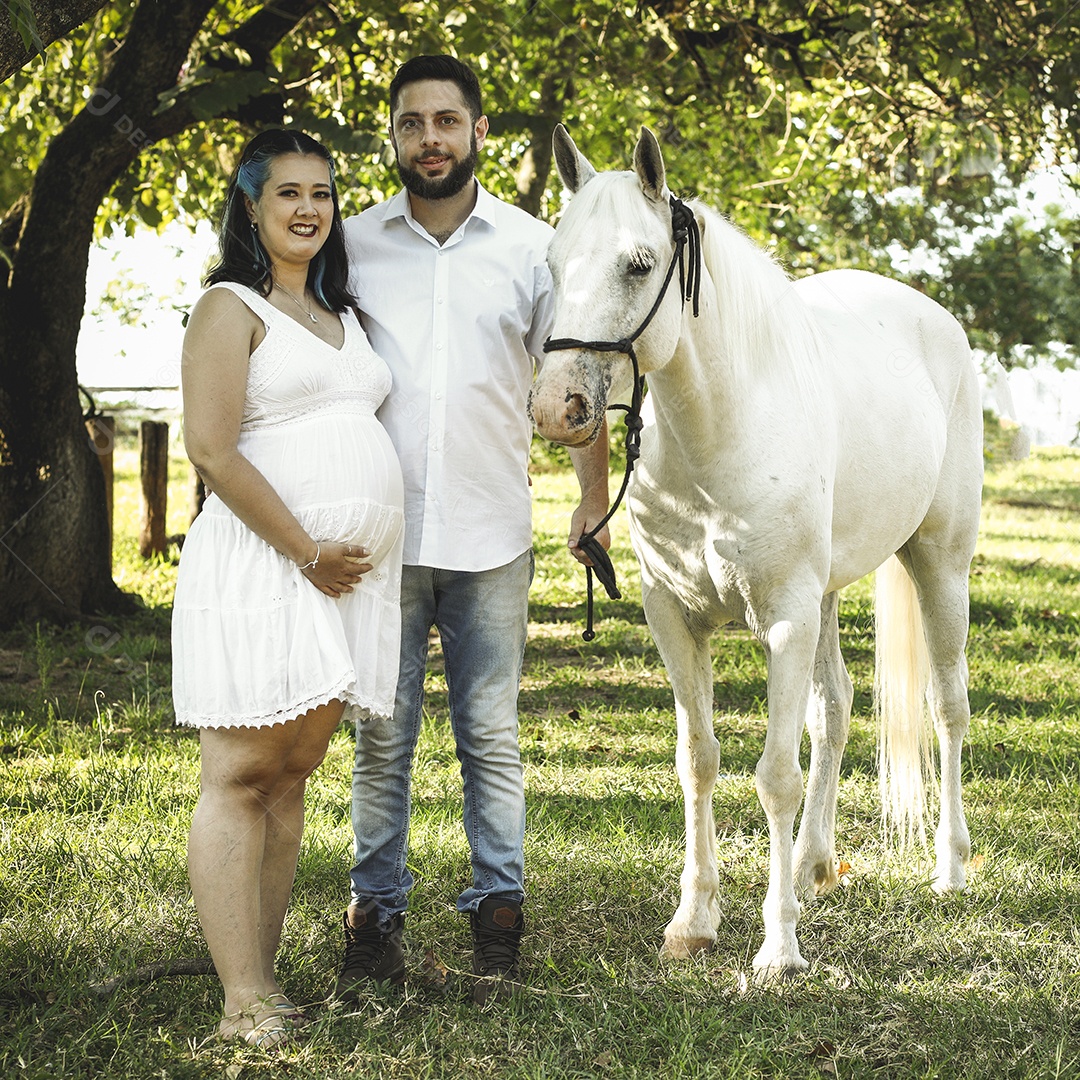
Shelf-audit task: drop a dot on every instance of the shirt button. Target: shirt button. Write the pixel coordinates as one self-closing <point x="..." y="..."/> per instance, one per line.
<point x="438" y="346"/>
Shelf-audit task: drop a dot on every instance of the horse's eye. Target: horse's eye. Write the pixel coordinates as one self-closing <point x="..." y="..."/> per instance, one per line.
<point x="639" y="264"/>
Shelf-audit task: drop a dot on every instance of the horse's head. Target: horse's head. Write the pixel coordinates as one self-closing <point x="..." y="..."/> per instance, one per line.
<point x="609" y="257"/>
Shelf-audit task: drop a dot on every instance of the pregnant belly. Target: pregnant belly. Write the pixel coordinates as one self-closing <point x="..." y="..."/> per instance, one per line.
<point x="371" y="525"/>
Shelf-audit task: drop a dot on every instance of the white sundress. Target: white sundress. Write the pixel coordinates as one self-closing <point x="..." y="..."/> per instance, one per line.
<point x="254" y="643"/>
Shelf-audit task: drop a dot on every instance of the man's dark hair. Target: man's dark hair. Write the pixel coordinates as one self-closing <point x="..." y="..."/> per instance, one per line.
<point x="446" y="68"/>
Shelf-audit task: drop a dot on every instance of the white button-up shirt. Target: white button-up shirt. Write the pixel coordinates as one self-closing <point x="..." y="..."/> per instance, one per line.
<point x="461" y="327"/>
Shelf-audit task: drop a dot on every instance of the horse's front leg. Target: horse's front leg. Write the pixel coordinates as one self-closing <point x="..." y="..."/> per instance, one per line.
<point x="790" y="644"/>
<point x="697" y="759"/>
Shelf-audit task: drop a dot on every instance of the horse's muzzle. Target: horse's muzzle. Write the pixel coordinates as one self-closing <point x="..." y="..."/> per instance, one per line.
<point x="573" y="421"/>
<point x="568" y="401"/>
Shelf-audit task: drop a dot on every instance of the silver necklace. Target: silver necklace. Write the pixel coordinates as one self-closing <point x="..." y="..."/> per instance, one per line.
<point x="306" y="310"/>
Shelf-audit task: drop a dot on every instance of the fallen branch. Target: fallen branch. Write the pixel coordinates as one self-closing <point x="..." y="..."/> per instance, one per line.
<point x="202" y="965"/>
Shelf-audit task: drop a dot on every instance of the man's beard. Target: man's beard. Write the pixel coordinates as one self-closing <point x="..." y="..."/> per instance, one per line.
<point x="443" y="187"/>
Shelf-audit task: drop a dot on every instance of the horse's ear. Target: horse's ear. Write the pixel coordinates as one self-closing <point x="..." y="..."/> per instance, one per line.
<point x="649" y="165"/>
<point x="574" y="170"/>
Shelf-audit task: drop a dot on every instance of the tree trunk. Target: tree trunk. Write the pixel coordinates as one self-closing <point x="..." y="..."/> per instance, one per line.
<point x="535" y="168"/>
<point x="55" y="554"/>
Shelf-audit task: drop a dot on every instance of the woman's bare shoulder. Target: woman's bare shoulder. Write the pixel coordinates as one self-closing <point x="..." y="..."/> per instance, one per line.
<point x="221" y="322"/>
<point x="221" y="311"/>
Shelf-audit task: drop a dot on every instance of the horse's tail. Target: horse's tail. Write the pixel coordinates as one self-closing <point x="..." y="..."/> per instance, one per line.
<point x="901" y="678"/>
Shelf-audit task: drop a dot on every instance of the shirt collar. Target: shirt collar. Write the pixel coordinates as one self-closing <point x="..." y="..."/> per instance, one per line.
<point x="484" y="210"/>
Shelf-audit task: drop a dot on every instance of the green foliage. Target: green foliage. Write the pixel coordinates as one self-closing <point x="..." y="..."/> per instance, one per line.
<point x="22" y="19"/>
<point x="1016" y="289"/>
<point x="771" y="108"/>
<point x="97" y="790"/>
<point x="838" y="136"/>
<point x="39" y="100"/>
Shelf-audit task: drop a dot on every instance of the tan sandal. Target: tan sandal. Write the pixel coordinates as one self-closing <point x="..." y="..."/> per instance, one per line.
<point x="274" y="1029"/>
<point x="292" y="1013"/>
<point x="264" y="1037"/>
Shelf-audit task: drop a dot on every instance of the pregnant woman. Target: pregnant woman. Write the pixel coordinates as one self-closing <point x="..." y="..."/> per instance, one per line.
<point x="286" y="615"/>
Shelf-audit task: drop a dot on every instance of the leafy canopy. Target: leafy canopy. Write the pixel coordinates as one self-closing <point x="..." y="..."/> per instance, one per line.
<point x="800" y="118"/>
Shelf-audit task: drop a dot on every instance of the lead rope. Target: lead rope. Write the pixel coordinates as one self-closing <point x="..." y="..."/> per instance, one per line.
<point x="687" y="237"/>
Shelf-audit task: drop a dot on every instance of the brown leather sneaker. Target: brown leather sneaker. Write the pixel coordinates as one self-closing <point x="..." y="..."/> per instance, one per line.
<point x="372" y="956"/>
<point x="496" y="931"/>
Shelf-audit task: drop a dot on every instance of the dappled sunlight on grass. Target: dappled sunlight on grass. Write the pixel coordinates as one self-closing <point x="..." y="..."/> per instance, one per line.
<point x="97" y="788"/>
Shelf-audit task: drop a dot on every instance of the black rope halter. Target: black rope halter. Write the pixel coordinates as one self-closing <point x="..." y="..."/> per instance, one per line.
<point x="687" y="237"/>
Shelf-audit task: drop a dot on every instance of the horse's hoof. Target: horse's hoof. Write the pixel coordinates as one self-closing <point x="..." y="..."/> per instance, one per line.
<point x="950" y="886"/>
<point x="685" y="948"/>
<point x="778" y="967"/>
<point x="826" y="878"/>
<point x="950" y="873"/>
<point x="820" y="879"/>
<point x="775" y="972"/>
<point x="777" y="976"/>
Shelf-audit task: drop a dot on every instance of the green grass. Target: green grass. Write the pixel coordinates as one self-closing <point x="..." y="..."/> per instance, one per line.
<point x="97" y="789"/>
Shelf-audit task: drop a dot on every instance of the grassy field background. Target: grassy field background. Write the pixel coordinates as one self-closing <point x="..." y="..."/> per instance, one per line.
<point x="97" y="788"/>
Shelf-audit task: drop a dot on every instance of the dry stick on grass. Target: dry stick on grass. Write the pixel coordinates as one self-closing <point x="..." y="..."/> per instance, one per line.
<point x="202" y="965"/>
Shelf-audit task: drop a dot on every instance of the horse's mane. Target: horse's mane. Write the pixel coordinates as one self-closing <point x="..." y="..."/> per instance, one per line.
<point x="765" y="328"/>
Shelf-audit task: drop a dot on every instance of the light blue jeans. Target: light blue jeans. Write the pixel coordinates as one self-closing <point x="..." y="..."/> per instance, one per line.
<point x="482" y="619"/>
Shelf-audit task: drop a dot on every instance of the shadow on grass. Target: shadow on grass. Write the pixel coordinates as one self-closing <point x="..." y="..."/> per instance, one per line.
<point x="1060" y="498"/>
<point x="604" y="610"/>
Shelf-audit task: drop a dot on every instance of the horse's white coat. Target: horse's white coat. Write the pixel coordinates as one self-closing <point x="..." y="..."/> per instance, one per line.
<point x="798" y="434"/>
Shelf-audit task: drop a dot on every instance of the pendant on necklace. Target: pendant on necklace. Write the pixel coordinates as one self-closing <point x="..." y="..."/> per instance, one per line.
<point x="312" y="317"/>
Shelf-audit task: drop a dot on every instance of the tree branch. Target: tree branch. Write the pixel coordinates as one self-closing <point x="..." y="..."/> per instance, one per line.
<point x="258" y="36"/>
<point x="51" y="21"/>
<point x="203" y="965"/>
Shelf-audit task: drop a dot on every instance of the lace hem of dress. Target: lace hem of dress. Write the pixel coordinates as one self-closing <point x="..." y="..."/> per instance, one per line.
<point x="367" y="710"/>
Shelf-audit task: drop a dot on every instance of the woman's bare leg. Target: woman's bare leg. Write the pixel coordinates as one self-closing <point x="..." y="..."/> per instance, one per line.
<point x="284" y="827"/>
<point x="243" y="848"/>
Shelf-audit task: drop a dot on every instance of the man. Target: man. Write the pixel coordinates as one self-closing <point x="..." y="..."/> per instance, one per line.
<point x="456" y="297"/>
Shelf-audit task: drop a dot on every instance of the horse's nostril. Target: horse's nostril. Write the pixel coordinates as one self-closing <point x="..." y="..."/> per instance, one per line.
<point x="577" y="410"/>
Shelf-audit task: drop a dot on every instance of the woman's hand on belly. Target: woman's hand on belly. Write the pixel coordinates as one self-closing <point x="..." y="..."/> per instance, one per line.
<point x="337" y="567"/>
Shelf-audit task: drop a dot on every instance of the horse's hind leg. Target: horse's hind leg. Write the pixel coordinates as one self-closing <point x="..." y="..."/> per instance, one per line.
<point x="828" y="718"/>
<point x="941" y="577"/>
<point x="697" y="759"/>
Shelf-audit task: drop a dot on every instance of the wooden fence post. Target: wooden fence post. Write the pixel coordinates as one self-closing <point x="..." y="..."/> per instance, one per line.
<point x="102" y="432"/>
<point x="154" y="472"/>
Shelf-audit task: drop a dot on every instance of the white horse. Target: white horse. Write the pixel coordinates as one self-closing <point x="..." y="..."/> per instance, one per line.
<point x="797" y="436"/>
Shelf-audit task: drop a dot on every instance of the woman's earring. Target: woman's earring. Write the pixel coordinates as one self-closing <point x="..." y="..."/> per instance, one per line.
<point x="258" y="264"/>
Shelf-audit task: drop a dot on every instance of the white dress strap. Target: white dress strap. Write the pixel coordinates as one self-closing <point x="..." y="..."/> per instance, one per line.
<point x="257" y="303"/>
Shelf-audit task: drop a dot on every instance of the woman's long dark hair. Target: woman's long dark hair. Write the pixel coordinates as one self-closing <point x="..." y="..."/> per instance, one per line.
<point x="243" y="259"/>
